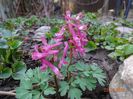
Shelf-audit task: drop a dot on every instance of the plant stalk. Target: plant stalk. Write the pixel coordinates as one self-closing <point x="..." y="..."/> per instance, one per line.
<point x="68" y="73"/>
<point x="57" y="87"/>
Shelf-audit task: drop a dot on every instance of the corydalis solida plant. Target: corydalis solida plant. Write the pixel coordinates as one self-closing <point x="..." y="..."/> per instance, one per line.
<point x="72" y="36"/>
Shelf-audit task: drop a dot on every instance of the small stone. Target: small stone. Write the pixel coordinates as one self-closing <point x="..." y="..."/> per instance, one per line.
<point x="40" y="32"/>
<point x="123" y="30"/>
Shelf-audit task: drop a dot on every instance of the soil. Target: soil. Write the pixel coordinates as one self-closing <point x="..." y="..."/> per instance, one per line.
<point x="99" y="56"/>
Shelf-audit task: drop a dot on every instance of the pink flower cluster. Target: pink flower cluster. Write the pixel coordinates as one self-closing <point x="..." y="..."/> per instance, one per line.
<point x="45" y="51"/>
<point x="48" y="53"/>
<point x="76" y="31"/>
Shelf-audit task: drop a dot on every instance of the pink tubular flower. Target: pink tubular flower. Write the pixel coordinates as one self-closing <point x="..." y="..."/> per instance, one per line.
<point x="45" y="51"/>
<point x="47" y="47"/>
<point x="62" y="61"/>
<point x="79" y="16"/>
<point x="77" y="30"/>
<point x="68" y="13"/>
<point x="59" y="35"/>
<point x="44" y="66"/>
<point x="83" y="27"/>
<point x="52" y="67"/>
<point x="37" y="55"/>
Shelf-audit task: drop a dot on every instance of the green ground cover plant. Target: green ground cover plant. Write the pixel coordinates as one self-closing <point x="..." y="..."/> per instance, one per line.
<point x="11" y="63"/>
<point x="105" y="36"/>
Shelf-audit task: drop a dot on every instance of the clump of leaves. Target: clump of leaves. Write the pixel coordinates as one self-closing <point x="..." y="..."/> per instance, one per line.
<point x="32" y="21"/>
<point x="52" y="21"/>
<point x="126" y="23"/>
<point x="49" y="35"/>
<point x="20" y="25"/>
<point x="122" y="51"/>
<point x="107" y="37"/>
<point x="83" y="77"/>
<point x="14" y="23"/>
<point x="39" y="85"/>
<point x="35" y="85"/>
<point x="10" y="57"/>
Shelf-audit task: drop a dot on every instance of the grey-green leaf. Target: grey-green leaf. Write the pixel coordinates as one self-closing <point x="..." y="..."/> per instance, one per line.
<point x="19" y="69"/>
<point x="64" y="87"/>
<point x="5" y="73"/>
<point x="74" y="93"/>
<point x="49" y="91"/>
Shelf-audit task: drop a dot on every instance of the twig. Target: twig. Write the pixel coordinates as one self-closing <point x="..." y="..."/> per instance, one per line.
<point x="18" y="6"/>
<point x="9" y="93"/>
<point x="13" y="91"/>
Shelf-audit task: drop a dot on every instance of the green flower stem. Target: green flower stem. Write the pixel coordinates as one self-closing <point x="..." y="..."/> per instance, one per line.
<point x="68" y="73"/>
<point x="57" y="87"/>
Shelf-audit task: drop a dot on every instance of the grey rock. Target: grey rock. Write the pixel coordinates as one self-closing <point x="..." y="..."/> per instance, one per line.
<point x="127" y="73"/>
<point x="123" y="30"/>
<point x="40" y="32"/>
<point x="121" y="86"/>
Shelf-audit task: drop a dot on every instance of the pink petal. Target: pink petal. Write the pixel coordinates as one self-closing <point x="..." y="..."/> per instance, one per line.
<point x="55" y="45"/>
<point x="71" y="30"/>
<point x="62" y="61"/>
<point x="79" y="16"/>
<point x="53" y="52"/>
<point x="49" y="47"/>
<point x="43" y="67"/>
<point x="77" y="41"/>
<point x="44" y="41"/>
<point x="83" y="27"/>
<point x="68" y="13"/>
<point x="36" y="55"/>
<point x="59" y="35"/>
<point x="36" y="48"/>
<point x="53" y="68"/>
